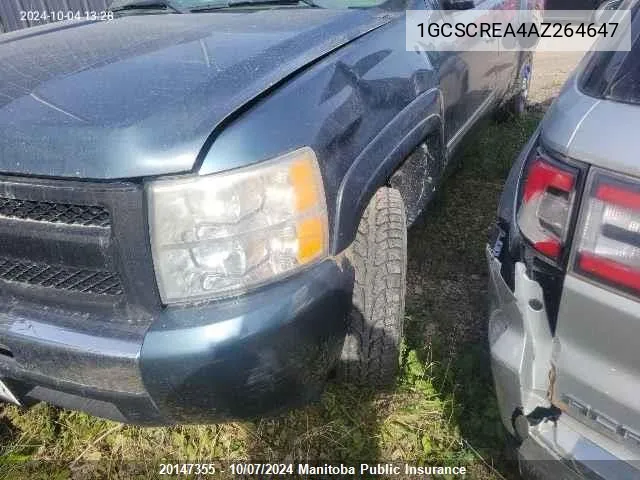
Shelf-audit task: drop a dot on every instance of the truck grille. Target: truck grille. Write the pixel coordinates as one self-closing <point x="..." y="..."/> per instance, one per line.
<point x="77" y="245"/>
<point x="87" y="215"/>
<point x="62" y="278"/>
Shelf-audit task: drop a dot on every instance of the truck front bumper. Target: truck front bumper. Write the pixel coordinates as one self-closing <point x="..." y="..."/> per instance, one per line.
<point x="243" y="357"/>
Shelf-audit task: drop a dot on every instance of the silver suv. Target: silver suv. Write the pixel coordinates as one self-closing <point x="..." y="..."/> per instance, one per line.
<point x="564" y="263"/>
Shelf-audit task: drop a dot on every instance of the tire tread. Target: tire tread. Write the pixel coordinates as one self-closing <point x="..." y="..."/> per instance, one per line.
<point x="379" y="258"/>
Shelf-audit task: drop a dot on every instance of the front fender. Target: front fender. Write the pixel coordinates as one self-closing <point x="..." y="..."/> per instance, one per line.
<point x="371" y="96"/>
<point x="373" y="167"/>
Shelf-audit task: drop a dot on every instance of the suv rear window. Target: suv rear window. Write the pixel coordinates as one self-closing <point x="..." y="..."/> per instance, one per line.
<point x="625" y="86"/>
<point x="614" y="75"/>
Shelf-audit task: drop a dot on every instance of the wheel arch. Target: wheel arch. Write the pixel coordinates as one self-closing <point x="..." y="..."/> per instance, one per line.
<point x="378" y="161"/>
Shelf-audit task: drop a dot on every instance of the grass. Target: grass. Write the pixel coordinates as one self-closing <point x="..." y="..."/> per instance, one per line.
<point x="442" y="412"/>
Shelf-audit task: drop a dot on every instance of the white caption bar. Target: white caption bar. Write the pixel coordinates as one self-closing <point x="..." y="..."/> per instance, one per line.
<point x="511" y="30"/>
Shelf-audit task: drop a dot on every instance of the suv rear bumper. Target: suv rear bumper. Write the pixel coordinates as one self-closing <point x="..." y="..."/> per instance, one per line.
<point x="237" y="358"/>
<point x="568" y="450"/>
<point x="520" y="359"/>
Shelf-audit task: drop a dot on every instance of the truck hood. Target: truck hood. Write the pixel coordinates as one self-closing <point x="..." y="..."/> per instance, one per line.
<point x="140" y="95"/>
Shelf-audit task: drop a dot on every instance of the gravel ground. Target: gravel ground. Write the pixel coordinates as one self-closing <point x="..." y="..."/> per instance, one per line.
<point x="550" y="70"/>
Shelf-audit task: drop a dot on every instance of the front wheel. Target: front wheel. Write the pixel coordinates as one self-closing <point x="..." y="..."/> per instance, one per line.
<point x="379" y="258"/>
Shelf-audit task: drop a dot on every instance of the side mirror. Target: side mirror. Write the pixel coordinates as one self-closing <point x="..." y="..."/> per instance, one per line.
<point x="458" y="4"/>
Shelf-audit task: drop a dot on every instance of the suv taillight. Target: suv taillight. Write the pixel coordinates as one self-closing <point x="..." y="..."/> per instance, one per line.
<point x="609" y="233"/>
<point x="548" y="193"/>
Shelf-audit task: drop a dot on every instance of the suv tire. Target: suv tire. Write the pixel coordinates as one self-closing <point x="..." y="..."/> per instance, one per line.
<point x="379" y="257"/>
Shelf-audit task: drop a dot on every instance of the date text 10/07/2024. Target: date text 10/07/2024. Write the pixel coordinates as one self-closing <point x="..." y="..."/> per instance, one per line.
<point x="285" y="469"/>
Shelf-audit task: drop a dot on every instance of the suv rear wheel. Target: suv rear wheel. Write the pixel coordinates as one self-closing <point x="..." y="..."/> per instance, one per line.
<point x="379" y="258"/>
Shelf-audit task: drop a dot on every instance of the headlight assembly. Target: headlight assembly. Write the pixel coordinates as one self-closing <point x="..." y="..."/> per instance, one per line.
<point x="225" y="233"/>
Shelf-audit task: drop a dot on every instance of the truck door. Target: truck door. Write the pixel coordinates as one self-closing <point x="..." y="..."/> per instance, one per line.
<point x="467" y="76"/>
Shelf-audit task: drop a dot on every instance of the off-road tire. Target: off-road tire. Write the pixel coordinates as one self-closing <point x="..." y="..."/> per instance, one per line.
<point x="379" y="258"/>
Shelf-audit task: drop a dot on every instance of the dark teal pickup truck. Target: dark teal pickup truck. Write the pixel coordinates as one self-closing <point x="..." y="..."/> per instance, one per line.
<point x="204" y="205"/>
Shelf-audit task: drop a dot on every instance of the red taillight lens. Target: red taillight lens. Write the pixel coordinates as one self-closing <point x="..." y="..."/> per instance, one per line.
<point x="609" y="240"/>
<point x="547" y="199"/>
